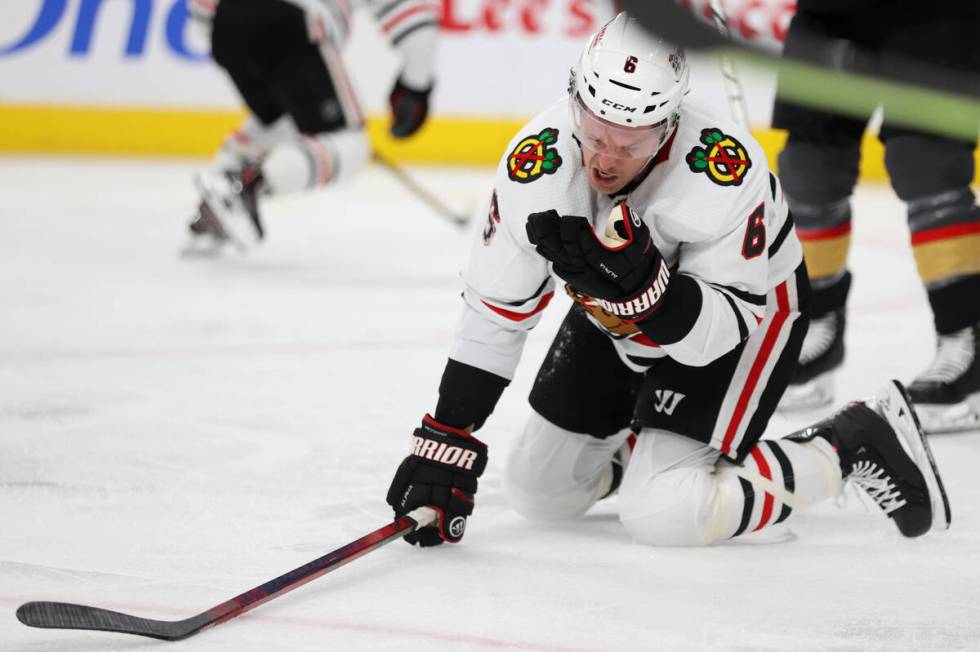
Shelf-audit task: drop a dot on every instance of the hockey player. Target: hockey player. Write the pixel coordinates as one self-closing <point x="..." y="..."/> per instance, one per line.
<point x="305" y="127"/>
<point x="931" y="174"/>
<point x="690" y="307"/>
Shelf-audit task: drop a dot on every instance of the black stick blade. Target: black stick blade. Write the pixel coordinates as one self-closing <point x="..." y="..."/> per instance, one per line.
<point x="61" y="615"/>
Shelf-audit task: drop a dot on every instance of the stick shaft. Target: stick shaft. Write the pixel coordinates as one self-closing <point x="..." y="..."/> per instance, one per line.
<point x="733" y="88"/>
<point x="413" y="186"/>
<point x="60" y="615"/>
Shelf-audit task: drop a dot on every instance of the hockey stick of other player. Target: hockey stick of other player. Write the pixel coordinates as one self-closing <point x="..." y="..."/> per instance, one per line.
<point x="736" y="99"/>
<point x="61" y="615"/>
<point x="427" y="198"/>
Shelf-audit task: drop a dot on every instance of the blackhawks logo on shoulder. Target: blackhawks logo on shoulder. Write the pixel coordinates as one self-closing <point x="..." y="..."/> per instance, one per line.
<point x="723" y="158"/>
<point x="533" y="157"/>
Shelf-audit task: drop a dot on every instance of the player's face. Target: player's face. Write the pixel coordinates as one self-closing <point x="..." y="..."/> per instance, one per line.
<point x="613" y="154"/>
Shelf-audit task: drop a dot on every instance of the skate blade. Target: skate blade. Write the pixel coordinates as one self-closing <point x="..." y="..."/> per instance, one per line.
<point x="895" y="404"/>
<point x="810" y="395"/>
<point x="943" y="419"/>
<point x="209" y="247"/>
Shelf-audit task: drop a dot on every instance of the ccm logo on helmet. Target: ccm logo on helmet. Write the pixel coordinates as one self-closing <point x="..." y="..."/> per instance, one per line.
<point x="442" y="453"/>
<point x="619" y="107"/>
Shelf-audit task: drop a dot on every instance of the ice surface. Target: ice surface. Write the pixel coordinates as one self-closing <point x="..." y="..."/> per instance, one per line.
<point x="174" y="432"/>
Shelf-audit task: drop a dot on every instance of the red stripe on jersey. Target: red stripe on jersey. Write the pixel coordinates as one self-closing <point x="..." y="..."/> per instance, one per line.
<point x="387" y="27"/>
<point x="823" y="234"/>
<point x="779" y="318"/>
<point x="760" y="461"/>
<point x="782" y="297"/>
<point x="631" y="441"/>
<point x="521" y="316"/>
<point x="945" y="232"/>
<point x="641" y="338"/>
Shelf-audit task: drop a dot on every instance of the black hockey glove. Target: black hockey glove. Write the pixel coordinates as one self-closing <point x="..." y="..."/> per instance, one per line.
<point x="547" y="233"/>
<point x="409" y="108"/>
<point x="626" y="273"/>
<point x="441" y="473"/>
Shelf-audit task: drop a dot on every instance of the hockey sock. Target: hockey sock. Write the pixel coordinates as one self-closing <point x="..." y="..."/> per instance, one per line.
<point x="251" y="141"/>
<point x="777" y="478"/>
<point x="307" y="162"/>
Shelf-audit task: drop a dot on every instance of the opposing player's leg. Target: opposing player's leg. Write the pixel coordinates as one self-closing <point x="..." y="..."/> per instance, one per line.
<point x="933" y="175"/>
<point x="679" y="492"/>
<point x="577" y="441"/>
<point x="818" y="169"/>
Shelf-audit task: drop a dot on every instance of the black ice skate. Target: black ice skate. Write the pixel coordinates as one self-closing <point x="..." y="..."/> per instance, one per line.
<point x="228" y="212"/>
<point x="822" y="354"/>
<point x="947" y="394"/>
<point x="884" y="452"/>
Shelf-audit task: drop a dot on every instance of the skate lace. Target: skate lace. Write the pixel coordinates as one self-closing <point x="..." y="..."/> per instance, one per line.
<point x="818" y="338"/>
<point x="871" y="478"/>
<point x="954" y="355"/>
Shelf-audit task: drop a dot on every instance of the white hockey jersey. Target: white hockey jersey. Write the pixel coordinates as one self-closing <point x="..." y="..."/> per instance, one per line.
<point x="713" y="208"/>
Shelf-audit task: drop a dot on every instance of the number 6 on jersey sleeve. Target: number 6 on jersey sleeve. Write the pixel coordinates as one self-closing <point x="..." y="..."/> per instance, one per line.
<point x="755" y="233"/>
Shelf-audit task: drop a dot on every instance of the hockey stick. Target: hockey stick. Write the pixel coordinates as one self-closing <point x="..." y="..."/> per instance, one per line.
<point x="427" y="198"/>
<point x="736" y="99"/>
<point x="61" y="615"/>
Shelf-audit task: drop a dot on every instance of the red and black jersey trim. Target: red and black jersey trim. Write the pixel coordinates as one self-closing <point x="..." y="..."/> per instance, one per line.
<point x="747" y="297"/>
<point x="743" y="328"/>
<point x="395" y="40"/>
<point x="398" y="19"/>
<point x="781" y="236"/>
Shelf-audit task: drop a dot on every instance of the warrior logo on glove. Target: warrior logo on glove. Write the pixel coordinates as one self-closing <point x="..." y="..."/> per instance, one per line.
<point x="440" y="472"/>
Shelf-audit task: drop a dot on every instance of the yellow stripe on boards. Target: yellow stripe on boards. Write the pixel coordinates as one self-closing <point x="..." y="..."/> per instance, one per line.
<point x="44" y="129"/>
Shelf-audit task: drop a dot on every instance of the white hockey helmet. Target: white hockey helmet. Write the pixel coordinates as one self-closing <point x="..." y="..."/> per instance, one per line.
<point x="629" y="78"/>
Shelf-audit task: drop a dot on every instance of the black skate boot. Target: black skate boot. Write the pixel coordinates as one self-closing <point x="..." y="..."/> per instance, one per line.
<point x="947" y="394"/>
<point x="822" y="354"/>
<point x="884" y="453"/>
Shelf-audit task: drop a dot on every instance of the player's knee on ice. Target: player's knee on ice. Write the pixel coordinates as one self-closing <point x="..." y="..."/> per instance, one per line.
<point x="670" y="494"/>
<point x="554" y="474"/>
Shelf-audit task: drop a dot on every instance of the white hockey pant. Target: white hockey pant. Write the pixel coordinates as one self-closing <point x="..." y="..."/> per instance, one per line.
<point x="676" y="491"/>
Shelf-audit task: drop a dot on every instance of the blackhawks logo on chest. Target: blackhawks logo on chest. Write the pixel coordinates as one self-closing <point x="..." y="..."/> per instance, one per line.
<point x="723" y="159"/>
<point x="534" y="156"/>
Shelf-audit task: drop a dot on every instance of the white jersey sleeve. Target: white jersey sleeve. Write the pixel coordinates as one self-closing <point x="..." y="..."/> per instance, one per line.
<point x="507" y="283"/>
<point x="412" y="27"/>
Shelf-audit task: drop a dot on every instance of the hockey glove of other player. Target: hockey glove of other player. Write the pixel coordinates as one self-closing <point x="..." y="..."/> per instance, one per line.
<point x="409" y="109"/>
<point x="624" y="271"/>
<point x="440" y="472"/>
